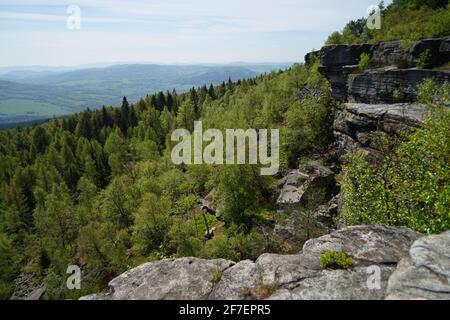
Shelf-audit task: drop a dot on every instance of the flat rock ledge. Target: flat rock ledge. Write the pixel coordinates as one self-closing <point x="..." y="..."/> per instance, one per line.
<point x="388" y="263"/>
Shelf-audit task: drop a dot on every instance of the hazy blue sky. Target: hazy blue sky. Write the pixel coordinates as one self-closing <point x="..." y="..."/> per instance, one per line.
<point x="34" y="32"/>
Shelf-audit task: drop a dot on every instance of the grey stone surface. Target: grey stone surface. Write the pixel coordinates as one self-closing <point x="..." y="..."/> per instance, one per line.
<point x="392" y="71"/>
<point x="390" y="85"/>
<point x="176" y="279"/>
<point x="425" y="274"/>
<point x="357" y="122"/>
<point x="367" y="245"/>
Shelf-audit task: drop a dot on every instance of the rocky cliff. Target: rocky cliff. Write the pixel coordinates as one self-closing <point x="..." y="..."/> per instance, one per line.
<point x="380" y="99"/>
<point x="388" y="263"/>
<point x="392" y="75"/>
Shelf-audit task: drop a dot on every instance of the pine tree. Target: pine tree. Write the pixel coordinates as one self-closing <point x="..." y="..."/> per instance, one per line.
<point x="124" y="116"/>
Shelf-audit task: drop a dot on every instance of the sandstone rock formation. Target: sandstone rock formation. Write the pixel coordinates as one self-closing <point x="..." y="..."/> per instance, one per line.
<point x="297" y="189"/>
<point x="298" y="276"/>
<point x="389" y="85"/>
<point x="394" y="76"/>
<point x="355" y="125"/>
<point x="425" y="273"/>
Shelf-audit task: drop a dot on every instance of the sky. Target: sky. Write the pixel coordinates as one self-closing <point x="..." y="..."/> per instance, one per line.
<point x="35" y="32"/>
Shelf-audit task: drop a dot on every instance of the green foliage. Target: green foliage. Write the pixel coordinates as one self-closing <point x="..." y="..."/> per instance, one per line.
<point x="424" y="59"/>
<point x="364" y="61"/>
<point x="99" y="189"/>
<point x="151" y="224"/>
<point x="409" y="186"/>
<point x="400" y="21"/>
<point x="8" y="265"/>
<point x="336" y="260"/>
<point x="429" y="92"/>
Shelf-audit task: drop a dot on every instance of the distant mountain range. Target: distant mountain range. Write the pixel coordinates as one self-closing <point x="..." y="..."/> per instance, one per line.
<point x="30" y="94"/>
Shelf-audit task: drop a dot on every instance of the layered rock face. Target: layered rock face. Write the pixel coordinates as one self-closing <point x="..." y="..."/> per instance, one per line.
<point x="376" y="250"/>
<point x="355" y="126"/>
<point x="380" y="100"/>
<point x="394" y="76"/>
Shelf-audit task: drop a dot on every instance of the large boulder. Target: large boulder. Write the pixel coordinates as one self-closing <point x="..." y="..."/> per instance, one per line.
<point x="425" y="273"/>
<point x="367" y="245"/>
<point x="175" y="279"/>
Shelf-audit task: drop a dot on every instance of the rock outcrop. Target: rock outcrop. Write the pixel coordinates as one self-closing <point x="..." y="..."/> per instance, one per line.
<point x="393" y="77"/>
<point x="381" y="99"/>
<point x="355" y="126"/>
<point x="305" y="217"/>
<point x="373" y="248"/>
<point x="425" y="273"/>
<point x="389" y="85"/>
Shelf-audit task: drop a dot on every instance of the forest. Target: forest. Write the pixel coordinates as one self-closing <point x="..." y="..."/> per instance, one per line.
<point x="98" y="189"/>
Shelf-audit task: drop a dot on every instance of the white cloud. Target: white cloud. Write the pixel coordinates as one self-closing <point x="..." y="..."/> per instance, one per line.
<point x="34" y="32"/>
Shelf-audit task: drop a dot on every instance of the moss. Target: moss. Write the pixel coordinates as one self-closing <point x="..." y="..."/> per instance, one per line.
<point x="336" y="260"/>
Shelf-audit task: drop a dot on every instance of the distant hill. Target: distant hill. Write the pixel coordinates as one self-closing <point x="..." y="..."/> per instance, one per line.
<point x="29" y="95"/>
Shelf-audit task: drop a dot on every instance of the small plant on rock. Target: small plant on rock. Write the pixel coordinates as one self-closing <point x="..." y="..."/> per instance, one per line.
<point x="364" y="62"/>
<point x="261" y="292"/>
<point x="424" y="60"/>
<point x="336" y="260"/>
<point x="216" y="276"/>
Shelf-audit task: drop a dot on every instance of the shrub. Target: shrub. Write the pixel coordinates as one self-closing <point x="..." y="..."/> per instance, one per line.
<point x="408" y="185"/>
<point x="364" y="61"/>
<point x="424" y="59"/>
<point x="336" y="260"/>
<point x="406" y="45"/>
<point x="216" y="276"/>
<point x="398" y="95"/>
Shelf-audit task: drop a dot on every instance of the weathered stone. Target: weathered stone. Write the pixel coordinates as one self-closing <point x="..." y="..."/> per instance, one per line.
<point x="390" y="86"/>
<point x="439" y="53"/>
<point x="236" y="281"/>
<point x="357" y="122"/>
<point x="366" y="244"/>
<point x="425" y="274"/>
<point x="393" y="82"/>
<point x="389" y="53"/>
<point x="37" y="293"/>
<point x="343" y="55"/>
<point x="339" y="285"/>
<point x="176" y="279"/>
<point x="26" y="288"/>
